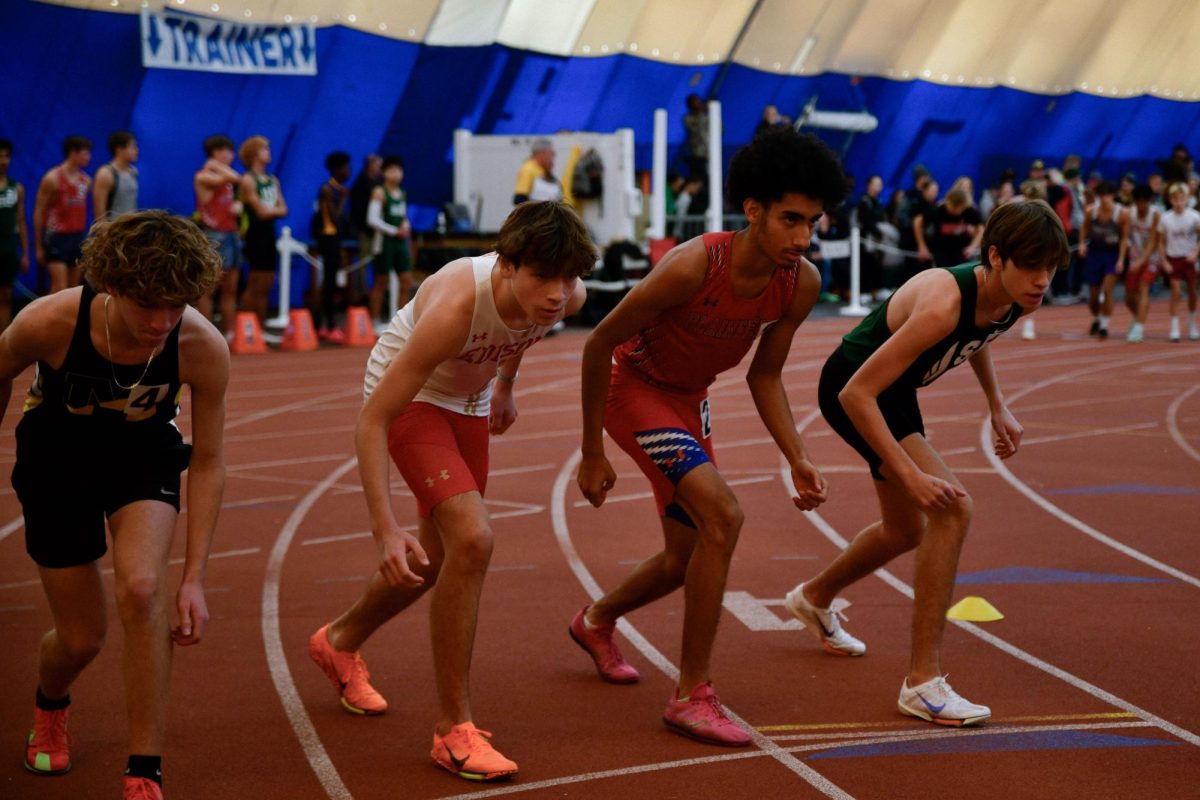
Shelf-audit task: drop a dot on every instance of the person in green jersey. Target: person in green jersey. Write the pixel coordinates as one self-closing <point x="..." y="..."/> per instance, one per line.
<point x="868" y="395"/>
<point x="387" y="215"/>
<point x="263" y="204"/>
<point x="14" y="235"/>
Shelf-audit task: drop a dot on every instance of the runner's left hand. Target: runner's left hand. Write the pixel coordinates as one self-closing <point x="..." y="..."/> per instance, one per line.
<point x="810" y="485"/>
<point x="1008" y="432"/>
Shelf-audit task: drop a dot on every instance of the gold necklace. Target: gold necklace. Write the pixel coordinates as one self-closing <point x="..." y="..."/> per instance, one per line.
<point x="111" y="365"/>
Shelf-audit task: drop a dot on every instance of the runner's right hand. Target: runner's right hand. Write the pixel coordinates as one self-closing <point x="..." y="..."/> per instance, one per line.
<point x="394" y="546"/>
<point x="595" y="478"/>
<point x="932" y="493"/>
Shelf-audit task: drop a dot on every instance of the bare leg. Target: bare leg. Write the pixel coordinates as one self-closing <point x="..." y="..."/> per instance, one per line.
<point x="405" y="289"/>
<point x="1110" y="282"/>
<point x="466" y="533"/>
<point x="59" y="276"/>
<point x="381" y="601"/>
<point x="142" y="534"/>
<point x="76" y="598"/>
<point x="657" y="576"/>
<point x="708" y="500"/>
<point x="229" y="289"/>
<point x="375" y="299"/>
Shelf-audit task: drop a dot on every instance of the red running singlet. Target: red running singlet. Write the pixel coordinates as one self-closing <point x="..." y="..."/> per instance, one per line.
<point x="69" y="212"/>
<point x="686" y="347"/>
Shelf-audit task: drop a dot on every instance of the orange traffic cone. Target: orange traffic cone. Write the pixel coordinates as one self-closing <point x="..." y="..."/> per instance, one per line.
<point x="359" y="330"/>
<point x="299" y="334"/>
<point x="247" y="335"/>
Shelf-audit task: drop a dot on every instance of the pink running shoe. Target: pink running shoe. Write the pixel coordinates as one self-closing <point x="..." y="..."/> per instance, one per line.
<point x="48" y="751"/>
<point x="348" y="673"/>
<point x="336" y="336"/>
<point x="466" y="752"/>
<point x="141" y="789"/>
<point x="599" y="644"/>
<point x="702" y="717"/>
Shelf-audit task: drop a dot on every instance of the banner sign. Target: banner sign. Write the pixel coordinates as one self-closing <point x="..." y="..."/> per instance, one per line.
<point x="173" y="40"/>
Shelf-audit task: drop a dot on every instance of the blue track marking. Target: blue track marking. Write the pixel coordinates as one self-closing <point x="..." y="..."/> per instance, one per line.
<point x="1017" y="575"/>
<point x="998" y="743"/>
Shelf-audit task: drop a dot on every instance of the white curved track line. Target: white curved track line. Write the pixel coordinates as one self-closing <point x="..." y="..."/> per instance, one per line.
<point x="903" y="588"/>
<point x="1172" y="423"/>
<point x="12" y="526"/>
<point x="558" y="515"/>
<point x="985" y="430"/>
<point x="281" y="676"/>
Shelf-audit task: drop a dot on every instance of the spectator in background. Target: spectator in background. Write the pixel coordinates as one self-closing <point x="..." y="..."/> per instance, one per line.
<point x="922" y="222"/>
<point x="535" y="180"/>
<point x="264" y="204"/>
<point x="60" y="215"/>
<point x="695" y="145"/>
<point x="998" y="195"/>
<point x="889" y="237"/>
<point x="370" y="176"/>
<point x="217" y="213"/>
<point x="388" y="217"/>
<point x="1157" y="187"/>
<point x="116" y="186"/>
<point x="955" y="231"/>
<point x="770" y="119"/>
<point x="331" y="224"/>
<point x="13" y="233"/>
<point x="1177" y="168"/>
<point x="869" y="213"/>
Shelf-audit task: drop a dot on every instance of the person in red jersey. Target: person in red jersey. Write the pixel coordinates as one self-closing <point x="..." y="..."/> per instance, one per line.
<point x="646" y="372"/>
<point x="60" y="214"/>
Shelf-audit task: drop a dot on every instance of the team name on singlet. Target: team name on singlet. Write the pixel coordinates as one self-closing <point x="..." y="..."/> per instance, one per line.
<point x="85" y="395"/>
<point x="483" y="353"/>
<point x="720" y="328"/>
<point x="955" y="355"/>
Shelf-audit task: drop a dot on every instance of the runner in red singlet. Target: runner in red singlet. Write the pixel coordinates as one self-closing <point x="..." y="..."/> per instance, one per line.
<point x="60" y="215"/>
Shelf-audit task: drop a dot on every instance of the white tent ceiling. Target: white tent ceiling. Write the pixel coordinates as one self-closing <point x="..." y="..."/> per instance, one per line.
<point x="1114" y="48"/>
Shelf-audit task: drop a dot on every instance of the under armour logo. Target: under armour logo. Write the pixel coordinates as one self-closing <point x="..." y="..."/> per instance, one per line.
<point x="445" y="475"/>
<point x="476" y="337"/>
<point x="711" y="301"/>
<point x="428" y="481"/>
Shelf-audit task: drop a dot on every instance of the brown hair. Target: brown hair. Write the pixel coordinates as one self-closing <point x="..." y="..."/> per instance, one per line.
<point x="1029" y="233"/>
<point x="249" y="149"/>
<point x="549" y="237"/>
<point x="151" y="257"/>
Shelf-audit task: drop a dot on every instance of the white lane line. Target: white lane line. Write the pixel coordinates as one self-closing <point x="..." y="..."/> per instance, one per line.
<point x="256" y="501"/>
<point x="903" y="588"/>
<point x="985" y="433"/>
<point x="1173" y="423"/>
<point x="286" y="409"/>
<point x="289" y="434"/>
<point x="917" y="734"/>
<point x="285" y="462"/>
<point x="1062" y="437"/>
<point x="12" y="526"/>
<point x="558" y="515"/>
<point x="281" y="675"/>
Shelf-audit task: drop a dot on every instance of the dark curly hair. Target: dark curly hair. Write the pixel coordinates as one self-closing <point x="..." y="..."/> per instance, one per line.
<point x="549" y="237"/>
<point x="781" y="160"/>
<point x="151" y="257"/>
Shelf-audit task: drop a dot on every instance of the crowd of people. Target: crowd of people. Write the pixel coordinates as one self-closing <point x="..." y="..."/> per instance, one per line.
<point x="1126" y="237"/>
<point x="238" y="211"/>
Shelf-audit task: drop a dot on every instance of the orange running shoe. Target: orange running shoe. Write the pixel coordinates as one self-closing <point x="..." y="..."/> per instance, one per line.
<point x="48" y="751"/>
<point x="349" y="675"/>
<point x="141" y="789"/>
<point x="466" y="752"/>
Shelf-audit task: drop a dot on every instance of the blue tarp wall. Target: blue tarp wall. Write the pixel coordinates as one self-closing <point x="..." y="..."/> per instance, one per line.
<point x="69" y="71"/>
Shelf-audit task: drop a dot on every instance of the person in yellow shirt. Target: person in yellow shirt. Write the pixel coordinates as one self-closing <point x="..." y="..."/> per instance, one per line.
<point x="535" y="180"/>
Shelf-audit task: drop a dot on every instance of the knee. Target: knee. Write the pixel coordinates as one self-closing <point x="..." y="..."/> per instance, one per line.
<point x="473" y="551"/>
<point x="722" y="524"/>
<point x="80" y="646"/>
<point x="139" y="598"/>
<point x="959" y="515"/>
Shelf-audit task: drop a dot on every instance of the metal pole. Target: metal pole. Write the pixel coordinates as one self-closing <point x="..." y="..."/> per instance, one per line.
<point x="284" y="245"/>
<point x="658" y="177"/>
<point x="855" y="308"/>
<point x="715" y="194"/>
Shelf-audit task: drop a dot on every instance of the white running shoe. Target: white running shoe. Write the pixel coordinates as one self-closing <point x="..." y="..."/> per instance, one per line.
<point x="1193" y="332"/>
<point x="1174" y="336"/>
<point x="824" y="623"/>
<point x="1135" y="333"/>
<point x="934" y="701"/>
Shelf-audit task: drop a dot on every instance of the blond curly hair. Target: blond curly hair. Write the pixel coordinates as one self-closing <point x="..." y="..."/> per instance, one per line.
<point x="151" y="257"/>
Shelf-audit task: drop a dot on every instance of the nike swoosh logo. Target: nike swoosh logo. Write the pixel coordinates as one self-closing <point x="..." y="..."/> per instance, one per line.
<point x="167" y="493"/>
<point x="458" y="762"/>
<point x="828" y="633"/>
<point x="932" y="708"/>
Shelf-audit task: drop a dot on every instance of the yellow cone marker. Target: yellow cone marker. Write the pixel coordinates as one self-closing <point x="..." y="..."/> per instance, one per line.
<point x="974" y="609"/>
